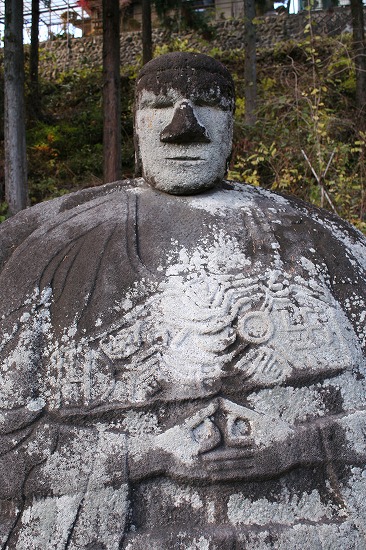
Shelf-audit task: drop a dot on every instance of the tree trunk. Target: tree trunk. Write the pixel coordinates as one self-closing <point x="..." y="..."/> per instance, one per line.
<point x="111" y="91"/>
<point x="359" y="48"/>
<point x="16" y="188"/>
<point x="146" y="31"/>
<point x="33" y="57"/>
<point x="250" y="67"/>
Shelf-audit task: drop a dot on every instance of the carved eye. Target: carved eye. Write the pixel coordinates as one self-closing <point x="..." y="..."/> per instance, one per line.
<point x="214" y="102"/>
<point x="162" y="103"/>
<point x="207" y="102"/>
<point x="157" y="103"/>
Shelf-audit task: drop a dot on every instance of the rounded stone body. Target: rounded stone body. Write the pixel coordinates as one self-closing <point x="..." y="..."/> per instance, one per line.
<point x="182" y="372"/>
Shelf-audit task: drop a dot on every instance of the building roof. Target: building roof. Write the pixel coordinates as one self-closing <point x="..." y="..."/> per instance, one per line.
<point x="58" y="16"/>
<point x="55" y="16"/>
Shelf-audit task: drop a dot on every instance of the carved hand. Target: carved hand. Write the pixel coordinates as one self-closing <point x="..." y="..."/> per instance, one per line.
<point x="225" y="442"/>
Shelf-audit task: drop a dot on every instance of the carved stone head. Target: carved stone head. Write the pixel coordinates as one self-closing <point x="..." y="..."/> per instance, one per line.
<point x="183" y="122"/>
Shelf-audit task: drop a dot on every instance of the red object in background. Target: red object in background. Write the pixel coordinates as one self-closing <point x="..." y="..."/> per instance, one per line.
<point x="84" y="4"/>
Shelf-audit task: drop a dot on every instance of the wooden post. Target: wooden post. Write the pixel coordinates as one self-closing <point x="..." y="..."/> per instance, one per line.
<point x="16" y="187"/>
<point x="250" y="63"/>
<point x="359" y="48"/>
<point x="34" y="56"/>
<point x="111" y="91"/>
<point x="146" y="32"/>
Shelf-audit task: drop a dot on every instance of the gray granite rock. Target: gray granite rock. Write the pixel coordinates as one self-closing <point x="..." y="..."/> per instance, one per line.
<point x="182" y="372"/>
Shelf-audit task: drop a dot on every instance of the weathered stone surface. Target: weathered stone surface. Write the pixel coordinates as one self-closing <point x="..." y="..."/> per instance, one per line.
<point x="182" y="372"/>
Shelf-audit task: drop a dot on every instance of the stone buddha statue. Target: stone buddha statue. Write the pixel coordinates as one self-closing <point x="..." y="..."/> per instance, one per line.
<point x="182" y="357"/>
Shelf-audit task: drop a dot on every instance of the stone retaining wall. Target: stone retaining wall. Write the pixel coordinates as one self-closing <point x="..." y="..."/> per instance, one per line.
<point x="60" y="55"/>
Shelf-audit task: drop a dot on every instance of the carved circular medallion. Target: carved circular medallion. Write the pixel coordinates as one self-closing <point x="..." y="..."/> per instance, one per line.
<point x="256" y="327"/>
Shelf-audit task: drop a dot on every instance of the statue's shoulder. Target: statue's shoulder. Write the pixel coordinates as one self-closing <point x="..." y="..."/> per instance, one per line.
<point x="302" y="219"/>
<point x="84" y="207"/>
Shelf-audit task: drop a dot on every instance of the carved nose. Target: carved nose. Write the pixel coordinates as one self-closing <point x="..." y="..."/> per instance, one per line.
<point x="184" y="127"/>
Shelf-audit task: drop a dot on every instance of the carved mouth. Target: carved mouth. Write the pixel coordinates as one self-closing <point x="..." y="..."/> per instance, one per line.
<point x="184" y="158"/>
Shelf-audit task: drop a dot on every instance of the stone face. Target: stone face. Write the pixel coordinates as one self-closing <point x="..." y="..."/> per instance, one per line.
<point x="184" y="122"/>
<point x="182" y="372"/>
<point x="204" y="144"/>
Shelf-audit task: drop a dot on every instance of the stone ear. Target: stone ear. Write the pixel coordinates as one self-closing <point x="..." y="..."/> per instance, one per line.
<point x="138" y="164"/>
<point x="228" y="161"/>
<point x="138" y="161"/>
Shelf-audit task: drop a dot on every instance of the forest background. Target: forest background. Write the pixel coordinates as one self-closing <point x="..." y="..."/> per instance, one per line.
<point x="309" y="138"/>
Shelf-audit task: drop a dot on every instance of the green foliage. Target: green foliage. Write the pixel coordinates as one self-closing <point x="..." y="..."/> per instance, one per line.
<point x="307" y="123"/>
<point x="65" y="147"/>
<point x="3" y="211"/>
<point x="306" y="103"/>
<point x="65" y="144"/>
<point x="175" y="45"/>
